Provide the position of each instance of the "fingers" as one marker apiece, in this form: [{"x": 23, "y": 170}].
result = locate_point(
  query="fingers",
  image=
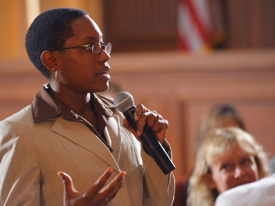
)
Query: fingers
[
  {"x": 97, "y": 194},
  {"x": 112, "y": 194},
  {"x": 99, "y": 184},
  {"x": 67, "y": 182},
  {"x": 110, "y": 190},
  {"x": 160, "y": 129},
  {"x": 113, "y": 187},
  {"x": 153, "y": 120},
  {"x": 160, "y": 124},
  {"x": 141, "y": 116},
  {"x": 139, "y": 110}
]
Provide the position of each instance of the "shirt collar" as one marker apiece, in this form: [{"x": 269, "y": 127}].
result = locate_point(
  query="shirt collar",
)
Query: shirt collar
[{"x": 45, "y": 106}]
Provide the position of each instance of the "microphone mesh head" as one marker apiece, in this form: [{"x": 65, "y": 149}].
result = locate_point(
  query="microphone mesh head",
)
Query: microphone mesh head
[{"x": 124, "y": 101}]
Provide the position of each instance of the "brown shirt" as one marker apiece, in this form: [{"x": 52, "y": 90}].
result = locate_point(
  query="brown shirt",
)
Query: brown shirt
[{"x": 47, "y": 107}]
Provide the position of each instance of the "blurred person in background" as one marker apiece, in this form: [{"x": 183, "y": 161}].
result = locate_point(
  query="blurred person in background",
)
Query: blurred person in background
[
  {"x": 227, "y": 158},
  {"x": 258, "y": 193},
  {"x": 70, "y": 128},
  {"x": 218, "y": 116}
]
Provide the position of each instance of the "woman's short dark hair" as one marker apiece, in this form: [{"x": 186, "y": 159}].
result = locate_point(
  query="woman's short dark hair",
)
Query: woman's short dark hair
[{"x": 49, "y": 31}]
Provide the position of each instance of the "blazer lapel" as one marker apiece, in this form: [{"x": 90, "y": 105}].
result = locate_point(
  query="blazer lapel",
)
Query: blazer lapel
[
  {"x": 113, "y": 136},
  {"x": 82, "y": 136}
]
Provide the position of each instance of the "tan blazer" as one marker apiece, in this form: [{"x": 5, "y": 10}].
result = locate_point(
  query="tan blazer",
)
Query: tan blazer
[{"x": 31, "y": 154}]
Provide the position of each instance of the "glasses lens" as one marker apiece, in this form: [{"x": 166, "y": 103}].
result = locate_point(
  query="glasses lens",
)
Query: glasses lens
[
  {"x": 108, "y": 48},
  {"x": 96, "y": 49}
]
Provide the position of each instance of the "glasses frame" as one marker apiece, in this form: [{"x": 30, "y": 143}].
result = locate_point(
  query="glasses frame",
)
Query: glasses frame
[{"x": 90, "y": 47}]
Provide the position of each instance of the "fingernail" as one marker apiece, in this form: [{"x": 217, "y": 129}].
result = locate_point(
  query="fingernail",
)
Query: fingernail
[
  {"x": 59, "y": 174},
  {"x": 111, "y": 170},
  {"x": 138, "y": 133},
  {"x": 123, "y": 174}
]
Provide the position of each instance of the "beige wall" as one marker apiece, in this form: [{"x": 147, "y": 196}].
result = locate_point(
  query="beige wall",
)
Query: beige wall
[
  {"x": 14, "y": 22},
  {"x": 12, "y": 29}
]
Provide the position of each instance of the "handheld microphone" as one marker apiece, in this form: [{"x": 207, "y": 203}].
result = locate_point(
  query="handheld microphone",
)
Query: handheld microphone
[{"x": 124, "y": 102}]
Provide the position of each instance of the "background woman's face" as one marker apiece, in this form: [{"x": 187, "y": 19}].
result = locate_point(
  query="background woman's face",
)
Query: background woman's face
[{"x": 232, "y": 170}]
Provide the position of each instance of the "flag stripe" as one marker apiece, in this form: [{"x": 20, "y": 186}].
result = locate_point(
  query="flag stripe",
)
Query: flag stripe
[
  {"x": 194, "y": 25},
  {"x": 197, "y": 21}
]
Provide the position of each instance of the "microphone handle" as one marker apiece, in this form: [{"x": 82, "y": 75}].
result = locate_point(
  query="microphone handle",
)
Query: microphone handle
[{"x": 152, "y": 146}]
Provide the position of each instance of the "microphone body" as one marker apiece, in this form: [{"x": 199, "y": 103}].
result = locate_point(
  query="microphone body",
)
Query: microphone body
[{"x": 152, "y": 146}]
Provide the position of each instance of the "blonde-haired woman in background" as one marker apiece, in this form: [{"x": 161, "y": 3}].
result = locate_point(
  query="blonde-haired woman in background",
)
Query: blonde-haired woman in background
[
  {"x": 227, "y": 157},
  {"x": 220, "y": 115}
]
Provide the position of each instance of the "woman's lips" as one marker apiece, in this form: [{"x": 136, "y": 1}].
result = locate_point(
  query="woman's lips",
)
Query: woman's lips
[{"x": 104, "y": 75}]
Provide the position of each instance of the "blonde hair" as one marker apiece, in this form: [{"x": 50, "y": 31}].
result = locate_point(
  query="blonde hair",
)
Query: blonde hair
[{"x": 218, "y": 143}]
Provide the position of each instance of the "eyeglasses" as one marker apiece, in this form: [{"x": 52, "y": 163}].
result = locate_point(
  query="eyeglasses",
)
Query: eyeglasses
[{"x": 95, "y": 48}]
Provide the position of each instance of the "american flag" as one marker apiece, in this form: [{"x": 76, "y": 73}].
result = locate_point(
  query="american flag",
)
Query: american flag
[{"x": 199, "y": 21}]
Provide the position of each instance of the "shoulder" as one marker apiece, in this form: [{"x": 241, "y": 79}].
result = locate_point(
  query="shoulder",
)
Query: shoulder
[
  {"x": 12, "y": 126},
  {"x": 18, "y": 116},
  {"x": 12, "y": 132}
]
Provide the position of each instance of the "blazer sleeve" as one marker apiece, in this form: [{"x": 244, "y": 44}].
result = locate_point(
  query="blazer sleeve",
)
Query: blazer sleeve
[
  {"x": 19, "y": 169},
  {"x": 158, "y": 189}
]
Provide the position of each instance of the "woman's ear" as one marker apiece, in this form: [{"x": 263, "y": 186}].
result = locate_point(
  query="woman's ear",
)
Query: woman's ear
[
  {"x": 48, "y": 59},
  {"x": 209, "y": 181}
]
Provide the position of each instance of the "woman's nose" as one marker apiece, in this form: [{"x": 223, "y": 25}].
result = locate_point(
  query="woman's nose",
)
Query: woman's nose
[
  {"x": 239, "y": 172},
  {"x": 103, "y": 56}
]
